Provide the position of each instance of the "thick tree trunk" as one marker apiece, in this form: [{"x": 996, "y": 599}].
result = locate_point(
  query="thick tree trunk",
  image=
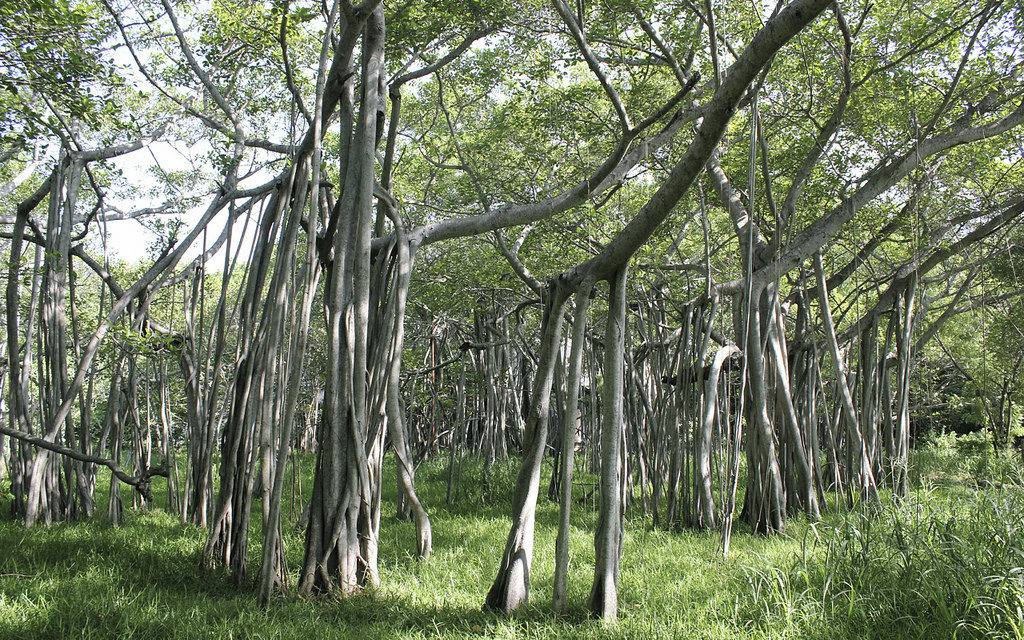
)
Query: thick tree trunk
[
  {"x": 341, "y": 537},
  {"x": 511, "y": 587}
]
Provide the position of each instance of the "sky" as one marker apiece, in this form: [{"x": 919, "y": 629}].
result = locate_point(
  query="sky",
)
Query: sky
[{"x": 129, "y": 240}]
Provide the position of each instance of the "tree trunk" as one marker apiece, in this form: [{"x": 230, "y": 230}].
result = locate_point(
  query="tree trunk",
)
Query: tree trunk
[
  {"x": 511, "y": 587},
  {"x": 604, "y": 595}
]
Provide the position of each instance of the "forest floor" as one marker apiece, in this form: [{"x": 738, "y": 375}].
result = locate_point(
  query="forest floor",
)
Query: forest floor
[{"x": 946, "y": 562}]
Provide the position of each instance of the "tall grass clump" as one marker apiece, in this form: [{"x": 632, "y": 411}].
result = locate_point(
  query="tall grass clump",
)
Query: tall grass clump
[{"x": 926, "y": 567}]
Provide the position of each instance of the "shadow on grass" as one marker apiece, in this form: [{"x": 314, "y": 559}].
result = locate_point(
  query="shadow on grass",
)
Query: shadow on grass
[
  {"x": 152, "y": 548},
  {"x": 143, "y": 580}
]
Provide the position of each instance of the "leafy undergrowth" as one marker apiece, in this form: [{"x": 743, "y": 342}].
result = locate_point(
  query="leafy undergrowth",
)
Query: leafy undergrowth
[{"x": 939, "y": 565}]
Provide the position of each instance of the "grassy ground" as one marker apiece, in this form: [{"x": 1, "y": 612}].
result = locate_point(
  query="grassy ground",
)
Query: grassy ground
[{"x": 141, "y": 580}]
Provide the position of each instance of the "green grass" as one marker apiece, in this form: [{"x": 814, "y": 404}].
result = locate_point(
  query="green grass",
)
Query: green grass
[{"x": 141, "y": 580}]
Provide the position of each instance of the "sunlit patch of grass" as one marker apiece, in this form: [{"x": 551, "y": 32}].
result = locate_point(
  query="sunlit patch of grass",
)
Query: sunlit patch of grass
[{"x": 142, "y": 580}]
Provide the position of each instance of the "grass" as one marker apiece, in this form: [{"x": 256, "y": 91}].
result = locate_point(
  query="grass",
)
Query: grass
[{"x": 945, "y": 563}]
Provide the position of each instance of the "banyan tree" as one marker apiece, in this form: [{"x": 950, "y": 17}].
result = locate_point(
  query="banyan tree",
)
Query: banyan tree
[{"x": 690, "y": 251}]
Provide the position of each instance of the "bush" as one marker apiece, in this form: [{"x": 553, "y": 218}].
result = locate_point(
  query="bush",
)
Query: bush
[{"x": 954, "y": 460}]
